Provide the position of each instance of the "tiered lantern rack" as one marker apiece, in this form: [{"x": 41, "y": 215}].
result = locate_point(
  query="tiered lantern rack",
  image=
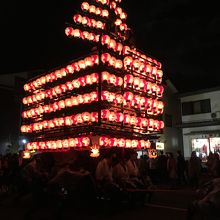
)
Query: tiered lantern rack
[{"x": 111, "y": 97}]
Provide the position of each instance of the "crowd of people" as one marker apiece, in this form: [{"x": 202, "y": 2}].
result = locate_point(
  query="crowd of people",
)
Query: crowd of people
[{"x": 109, "y": 175}]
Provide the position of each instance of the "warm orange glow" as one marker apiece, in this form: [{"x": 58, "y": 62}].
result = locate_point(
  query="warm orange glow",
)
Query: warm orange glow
[{"x": 95, "y": 151}]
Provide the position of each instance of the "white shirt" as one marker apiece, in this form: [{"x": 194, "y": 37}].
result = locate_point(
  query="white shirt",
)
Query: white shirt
[{"x": 104, "y": 171}]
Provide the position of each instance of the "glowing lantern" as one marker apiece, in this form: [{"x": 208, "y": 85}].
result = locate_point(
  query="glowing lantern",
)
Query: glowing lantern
[
  {"x": 112, "y": 44},
  {"x": 128, "y": 61},
  {"x": 85, "y": 141},
  {"x": 136, "y": 64},
  {"x": 118, "y": 22},
  {"x": 99, "y": 25},
  {"x": 26, "y": 87},
  {"x": 159, "y": 74},
  {"x": 118, "y": 10},
  {"x": 121, "y": 142},
  {"x": 134, "y": 143},
  {"x": 119, "y": 117},
  {"x": 85, "y": 6},
  {"x": 105, "y": 76},
  {"x": 118, "y": 64},
  {"x": 129, "y": 79},
  {"x": 76, "y": 83},
  {"x": 119, "y": 81},
  {"x": 71, "y": 142},
  {"x": 119, "y": 47},
  {"x": 98, "y": 11},
  {"x": 95, "y": 59},
  {"x": 95, "y": 151},
  {"x": 25, "y": 101},
  {"x": 105, "y": 39},
  {"x": 77, "y": 18},
  {"x": 133, "y": 120},
  {"x": 123, "y": 15},
  {"x": 127, "y": 119},
  {"x": 87, "y": 98},
  {"x": 105, "y": 114},
  {"x": 26, "y": 154},
  {"x": 92, "y": 9},
  {"x": 76, "y": 33},
  {"x": 59, "y": 144},
  {"x": 105, "y": 57},
  {"x": 128, "y": 96},
  {"x": 86, "y": 117},
  {"x": 113, "y": 5},
  {"x": 65, "y": 143},
  {"x": 79, "y": 119},
  {"x": 112, "y": 79},
  {"x": 112, "y": 61},
  {"x": 85, "y": 35},
  {"x": 105, "y": 13},
  {"x": 68, "y": 121},
  {"x": 112, "y": 116},
  {"x": 119, "y": 99},
  {"x": 123, "y": 27},
  {"x": 160, "y": 91},
  {"x": 161, "y": 126},
  {"x": 94, "y": 117},
  {"x": 152, "y": 153},
  {"x": 93, "y": 23},
  {"x": 94, "y": 96},
  {"x": 128, "y": 143}
]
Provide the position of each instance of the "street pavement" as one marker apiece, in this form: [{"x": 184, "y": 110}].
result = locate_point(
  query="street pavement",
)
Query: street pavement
[{"x": 165, "y": 204}]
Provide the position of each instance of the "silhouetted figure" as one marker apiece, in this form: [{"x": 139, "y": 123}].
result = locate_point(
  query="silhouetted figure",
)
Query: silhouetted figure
[
  {"x": 194, "y": 170},
  {"x": 172, "y": 169},
  {"x": 181, "y": 167},
  {"x": 162, "y": 167}
]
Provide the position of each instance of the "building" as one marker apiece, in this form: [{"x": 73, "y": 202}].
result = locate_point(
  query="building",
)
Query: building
[
  {"x": 11, "y": 92},
  {"x": 201, "y": 122},
  {"x": 171, "y": 139}
]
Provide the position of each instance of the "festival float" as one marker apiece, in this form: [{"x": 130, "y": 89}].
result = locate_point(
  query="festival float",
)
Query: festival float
[{"x": 111, "y": 97}]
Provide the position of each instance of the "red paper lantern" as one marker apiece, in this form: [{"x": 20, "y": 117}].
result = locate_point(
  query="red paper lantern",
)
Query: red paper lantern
[
  {"x": 105, "y": 57},
  {"x": 105, "y": 13},
  {"x": 77, "y": 18},
  {"x": 86, "y": 117},
  {"x": 85, "y": 6}
]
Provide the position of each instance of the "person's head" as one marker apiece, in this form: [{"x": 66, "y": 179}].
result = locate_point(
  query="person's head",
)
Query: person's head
[
  {"x": 216, "y": 156},
  {"x": 161, "y": 152},
  {"x": 170, "y": 155},
  {"x": 133, "y": 155},
  {"x": 110, "y": 154},
  {"x": 179, "y": 152},
  {"x": 193, "y": 154}
]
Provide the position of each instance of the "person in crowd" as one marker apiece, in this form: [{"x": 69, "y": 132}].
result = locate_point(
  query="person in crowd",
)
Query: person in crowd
[
  {"x": 120, "y": 172},
  {"x": 181, "y": 167},
  {"x": 74, "y": 180},
  {"x": 194, "y": 170},
  {"x": 162, "y": 167},
  {"x": 104, "y": 177},
  {"x": 133, "y": 169},
  {"x": 172, "y": 169},
  {"x": 208, "y": 203},
  {"x": 215, "y": 167}
]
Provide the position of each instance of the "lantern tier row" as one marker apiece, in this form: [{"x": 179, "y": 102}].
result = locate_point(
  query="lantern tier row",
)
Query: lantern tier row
[
  {"x": 127, "y": 100},
  {"x": 82, "y": 142},
  {"x": 90, "y": 61},
  {"x": 129, "y": 82},
  {"x": 88, "y": 118}
]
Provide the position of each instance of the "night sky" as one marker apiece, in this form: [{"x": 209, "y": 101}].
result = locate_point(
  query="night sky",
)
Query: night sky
[{"x": 184, "y": 35}]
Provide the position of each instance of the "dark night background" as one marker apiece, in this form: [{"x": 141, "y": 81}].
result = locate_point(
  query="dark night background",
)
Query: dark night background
[{"x": 184, "y": 35}]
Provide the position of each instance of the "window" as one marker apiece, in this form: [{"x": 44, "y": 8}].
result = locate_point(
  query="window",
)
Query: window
[
  {"x": 168, "y": 120},
  {"x": 197, "y": 107}
]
